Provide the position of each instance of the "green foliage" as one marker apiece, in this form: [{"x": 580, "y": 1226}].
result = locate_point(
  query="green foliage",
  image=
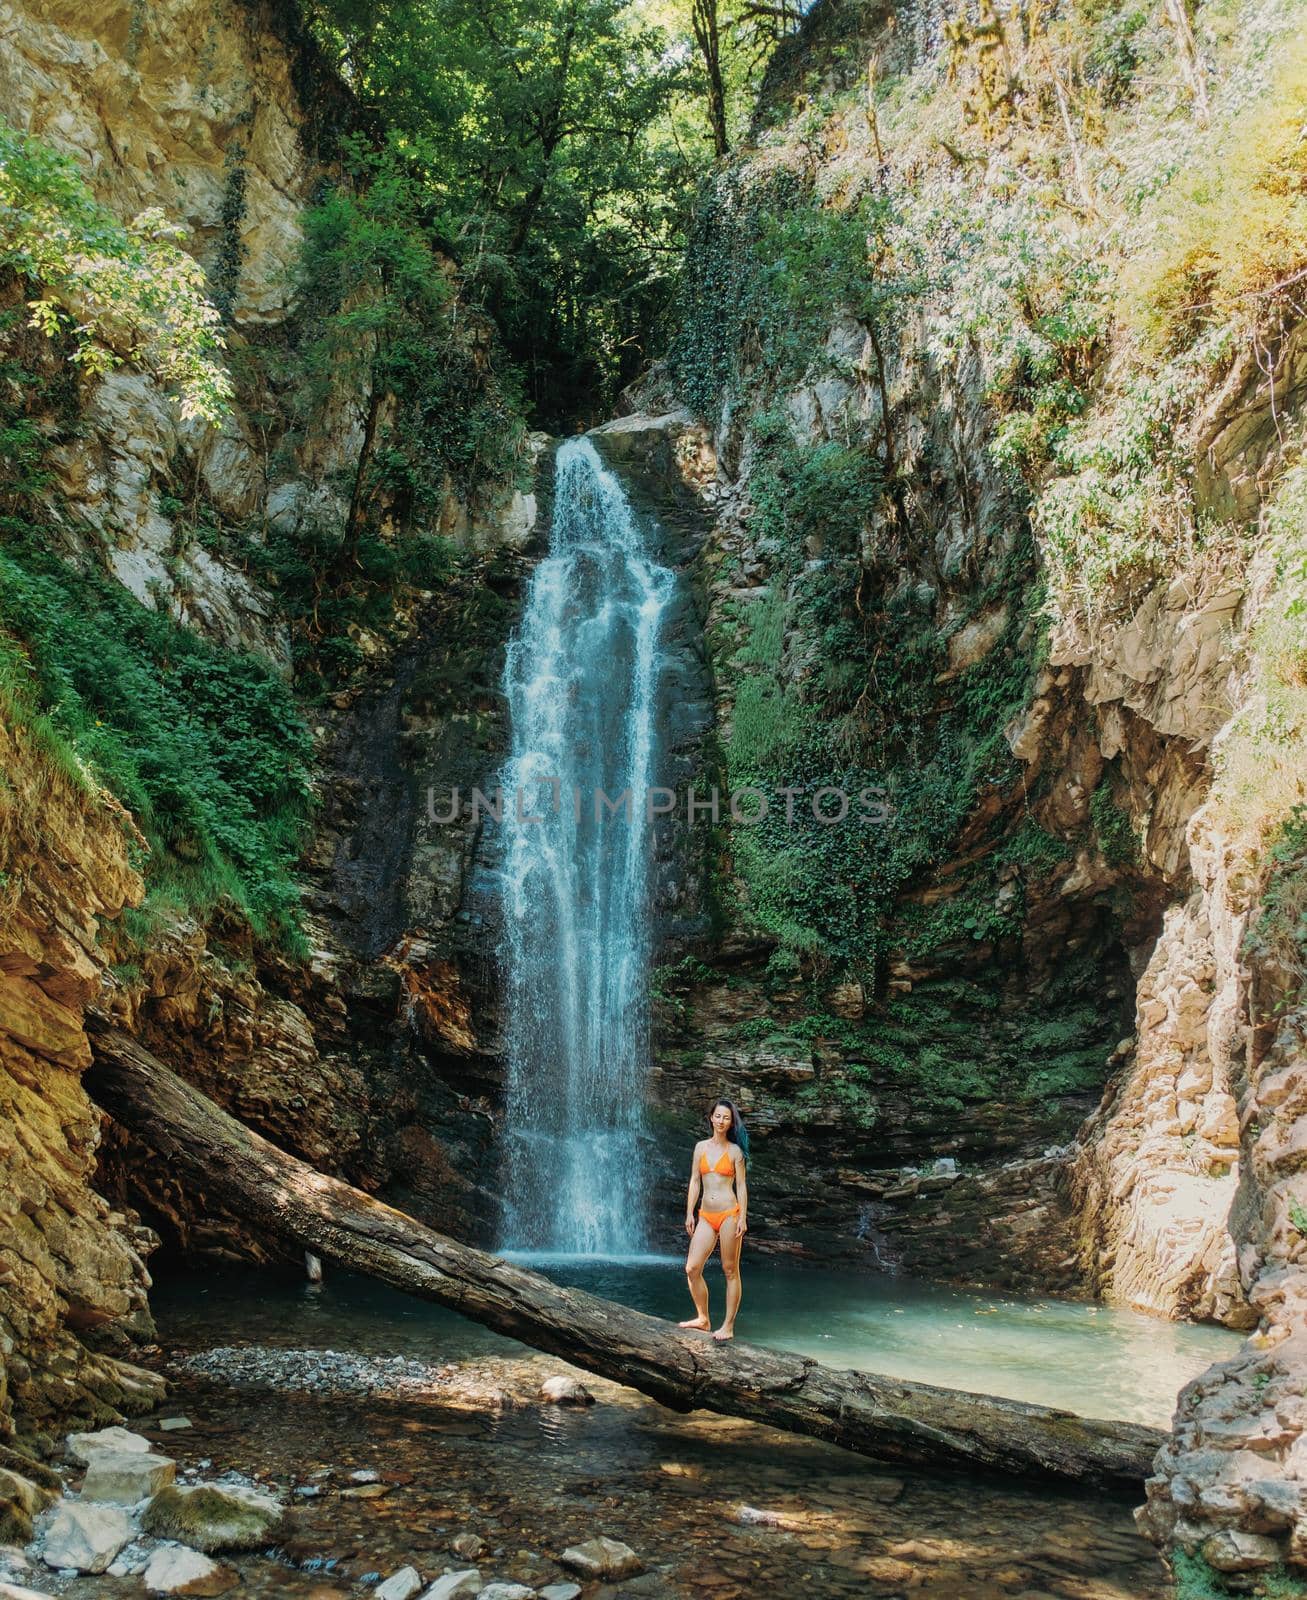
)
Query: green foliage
[
  {"x": 1298, "y": 1217},
  {"x": 204, "y": 746},
  {"x": 383, "y": 320},
  {"x": 766, "y": 270},
  {"x": 120, "y": 290},
  {"x": 1115, "y": 832},
  {"x": 547, "y": 169}
]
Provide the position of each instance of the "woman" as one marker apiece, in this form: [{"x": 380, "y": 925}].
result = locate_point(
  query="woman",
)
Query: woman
[{"x": 717, "y": 1174}]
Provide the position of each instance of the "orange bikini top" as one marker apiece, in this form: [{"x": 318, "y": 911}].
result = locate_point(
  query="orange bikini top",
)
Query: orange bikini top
[{"x": 725, "y": 1172}]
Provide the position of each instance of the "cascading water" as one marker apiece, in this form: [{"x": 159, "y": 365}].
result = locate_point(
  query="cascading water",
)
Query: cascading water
[{"x": 581, "y": 680}]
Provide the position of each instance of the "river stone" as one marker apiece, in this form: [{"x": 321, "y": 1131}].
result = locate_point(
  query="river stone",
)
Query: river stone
[
  {"x": 562, "y": 1390},
  {"x": 602, "y": 1558},
  {"x": 125, "y": 1476},
  {"x": 177, "y": 1570},
  {"x": 80, "y": 1447},
  {"x": 468, "y": 1546},
  {"x": 14, "y": 1591},
  {"x": 214, "y": 1517},
  {"x": 401, "y": 1585},
  {"x": 85, "y": 1537},
  {"x": 560, "y": 1591},
  {"x": 455, "y": 1586},
  {"x": 506, "y": 1591}
]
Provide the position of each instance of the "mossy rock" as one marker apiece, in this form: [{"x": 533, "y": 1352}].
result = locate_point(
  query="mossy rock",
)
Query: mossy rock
[
  {"x": 20, "y": 1500},
  {"x": 210, "y": 1518}
]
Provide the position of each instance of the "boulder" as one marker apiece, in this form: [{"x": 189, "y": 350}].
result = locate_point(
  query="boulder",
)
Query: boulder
[
  {"x": 80, "y": 1447},
  {"x": 602, "y": 1558},
  {"x": 563, "y": 1390},
  {"x": 401, "y": 1585},
  {"x": 177, "y": 1570},
  {"x": 85, "y": 1537},
  {"x": 455, "y": 1586},
  {"x": 124, "y": 1477},
  {"x": 1232, "y": 1550},
  {"x": 214, "y": 1517}
]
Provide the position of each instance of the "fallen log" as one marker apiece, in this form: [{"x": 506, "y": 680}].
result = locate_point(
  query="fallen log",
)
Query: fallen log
[{"x": 890, "y": 1419}]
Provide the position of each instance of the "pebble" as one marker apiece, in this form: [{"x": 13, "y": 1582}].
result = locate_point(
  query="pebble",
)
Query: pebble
[
  {"x": 506, "y": 1591},
  {"x": 560, "y": 1591},
  {"x": 173, "y": 1424},
  {"x": 364, "y": 1475},
  {"x": 315, "y": 1371},
  {"x": 469, "y": 1546}
]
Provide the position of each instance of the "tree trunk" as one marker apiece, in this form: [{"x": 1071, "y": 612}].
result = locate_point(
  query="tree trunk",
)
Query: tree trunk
[{"x": 890, "y": 1419}]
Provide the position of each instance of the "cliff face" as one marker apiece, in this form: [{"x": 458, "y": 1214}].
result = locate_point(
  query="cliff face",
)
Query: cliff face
[
  {"x": 923, "y": 322},
  {"x": 216, "y": 118},
  {"x": 72, "y": 1275}
]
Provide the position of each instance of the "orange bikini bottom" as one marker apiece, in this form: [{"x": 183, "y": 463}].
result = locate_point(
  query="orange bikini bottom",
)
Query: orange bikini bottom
[{"x": 714, "y": 1219}]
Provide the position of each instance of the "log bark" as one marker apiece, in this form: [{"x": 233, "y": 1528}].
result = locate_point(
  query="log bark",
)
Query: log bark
[{"x": 889, "y": 1419}]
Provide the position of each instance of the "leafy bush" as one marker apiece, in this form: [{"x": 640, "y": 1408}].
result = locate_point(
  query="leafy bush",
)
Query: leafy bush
[
  {"x": 204, "y": 746},
  {"x": 119, "y": 289}
]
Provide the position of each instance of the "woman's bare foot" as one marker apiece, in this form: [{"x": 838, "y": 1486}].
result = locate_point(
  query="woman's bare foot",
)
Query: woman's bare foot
[
  {"x": 696, "y": 1322},
  {"x": 724, "y": 1332}
]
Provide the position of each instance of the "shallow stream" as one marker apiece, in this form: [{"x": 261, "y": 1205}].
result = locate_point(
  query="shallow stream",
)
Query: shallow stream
[{"x": 303, "y": 1385}]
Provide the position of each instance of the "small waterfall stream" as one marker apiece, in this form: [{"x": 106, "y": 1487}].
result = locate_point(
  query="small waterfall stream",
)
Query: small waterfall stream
[{"x": 581, "y": 680}]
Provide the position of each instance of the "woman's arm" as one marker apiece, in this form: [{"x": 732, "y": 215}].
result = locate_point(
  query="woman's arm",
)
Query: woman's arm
[
  {"x": 692, "y": 1197},
  {"x": 742, "y": 1192}
]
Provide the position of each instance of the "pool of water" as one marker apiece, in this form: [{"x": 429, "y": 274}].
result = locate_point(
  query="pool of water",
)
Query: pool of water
[{"x": 1093, "y": 1359}]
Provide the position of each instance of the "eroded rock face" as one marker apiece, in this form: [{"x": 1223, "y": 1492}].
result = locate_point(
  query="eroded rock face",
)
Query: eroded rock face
[{"x": 71, "y": 1268}]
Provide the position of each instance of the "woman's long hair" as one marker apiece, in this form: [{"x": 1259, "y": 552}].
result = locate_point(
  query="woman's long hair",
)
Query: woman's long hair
[{"x": 739, "y": 1134}]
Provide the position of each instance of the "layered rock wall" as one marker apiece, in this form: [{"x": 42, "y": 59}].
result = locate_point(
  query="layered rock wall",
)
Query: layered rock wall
[{"x": 72, "y": 1275}]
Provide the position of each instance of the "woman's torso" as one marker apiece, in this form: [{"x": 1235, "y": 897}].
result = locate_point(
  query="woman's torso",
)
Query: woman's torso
[{"x": 718, "y": 1181}]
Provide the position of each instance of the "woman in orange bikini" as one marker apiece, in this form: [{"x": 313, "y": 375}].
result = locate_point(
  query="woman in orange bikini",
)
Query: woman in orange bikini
[{"x": 717, "y": 1175}]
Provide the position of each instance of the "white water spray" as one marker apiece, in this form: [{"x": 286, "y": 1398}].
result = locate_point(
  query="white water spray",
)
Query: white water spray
[{"x": 581, "y": 681}]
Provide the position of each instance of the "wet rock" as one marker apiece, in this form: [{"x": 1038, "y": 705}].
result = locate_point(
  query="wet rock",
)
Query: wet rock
[
  {"x": 564, "y": 1390},
  {"x": 14, "y": 1591},
  {"x": 84, "y": 1537},
  {"x": 123, "y": 1477},
  {"x": 401, "y": 1585},
  {"x": 506, "y": 1591},
  {"x": 177, "y": 1570},
  {"x": 602, "y": 1558},
  {"x": 560, "y": 1591},
  {"x": 753, "y": 1516},
  {"x": 214, "y": 1517},
  {"x": 174, "y": 1424},
  {"x": 469, "y": 1546},
  {"x": 80, "y": 1448},
  {"x": 455, "y": 1586}
]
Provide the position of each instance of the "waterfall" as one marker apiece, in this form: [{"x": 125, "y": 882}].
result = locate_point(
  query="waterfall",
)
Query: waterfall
[{"x": 581, "y": 680}]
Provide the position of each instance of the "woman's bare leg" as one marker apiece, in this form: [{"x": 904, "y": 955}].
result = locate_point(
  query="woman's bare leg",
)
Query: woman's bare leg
[
  {"x": 731, "y": 1243},
  {"x": 701, "y": 1247}
]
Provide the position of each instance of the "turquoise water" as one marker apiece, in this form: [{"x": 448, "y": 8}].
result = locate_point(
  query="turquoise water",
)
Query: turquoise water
[{"x": 1096, "y": 1360}]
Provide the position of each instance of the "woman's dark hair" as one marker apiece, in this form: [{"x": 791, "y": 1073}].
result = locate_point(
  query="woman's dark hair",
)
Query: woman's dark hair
[{"x": 739, "y": 1134}]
